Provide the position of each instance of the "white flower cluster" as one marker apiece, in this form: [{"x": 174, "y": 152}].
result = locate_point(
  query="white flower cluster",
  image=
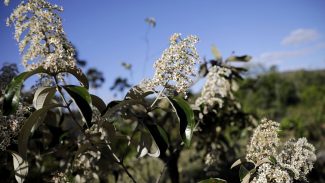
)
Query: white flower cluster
[
  {"x": 264, "y": 142},
  {"x": 217, "y": 86},
  {"x": 273, "y": 174},
  {"x": 39, "y": 32},
  {"x": 294, "y": 159},
  {"x": 298, "y": 157},
  {"x": 10, "y": 126},
  {"x": 176, "y": 66}
]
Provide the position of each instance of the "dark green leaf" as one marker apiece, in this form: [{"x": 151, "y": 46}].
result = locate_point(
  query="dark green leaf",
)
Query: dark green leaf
[
  {"x": 272, "y": 159},
  {"x": 213, "y": 180},
  {"x": 98, "y": 103},
  {"x": 186, "y": 118},
  {"x": 242, "y": 172},
  {"x": 20, "y": 167},
  {"x": 82, "y": 98},
  {"x": 145, "y": 145},
  {"x": 12, "y": 93},
  {"x": 30, "y": 125},
  {"x": 158, "y": 134},
  {"x": 243, "y": 58}
]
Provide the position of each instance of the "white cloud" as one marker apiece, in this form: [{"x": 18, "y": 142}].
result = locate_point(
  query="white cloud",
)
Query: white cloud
[
  {"x": 300, "y": 36},
  {"x": 277, "y": 57}
]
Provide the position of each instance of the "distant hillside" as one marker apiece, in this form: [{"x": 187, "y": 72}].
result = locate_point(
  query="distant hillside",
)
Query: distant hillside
[{"x": 295, "y": 98}]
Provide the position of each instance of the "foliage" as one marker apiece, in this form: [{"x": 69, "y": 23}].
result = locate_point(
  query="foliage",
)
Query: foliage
[{"x": 158, "y": 132}]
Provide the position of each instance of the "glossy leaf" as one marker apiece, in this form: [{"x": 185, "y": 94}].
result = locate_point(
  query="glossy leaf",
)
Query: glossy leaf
[
  {"x": 12, "y": 92},
  {"x": 20, "y": 167},
  {"x": 82, "y": 98},
  {"x": 145, "y": 146},
  {"x": 186, "y": 118},
  {"x": 213, "y": 180},
  {"x": 243, "y": 172},
  {"x": 43, "y": 96},
  {"x": 98, "y": 103},
  {"x": 159, "y": 135}
]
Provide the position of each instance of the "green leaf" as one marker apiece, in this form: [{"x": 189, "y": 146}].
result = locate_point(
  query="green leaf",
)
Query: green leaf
[
  {"x": 20, "y": 167},
  {"x": 12, "y": 92},
  {"x": 145, "y": 146},
  {"x": 213, "y": 180},
  {"x": 43, "y": 96},
  {"x": 273, "y": 160},
  {"x": 158, "y": 134},
  {"x": 82, "y": 98},
  {"x": 242, "y": 172},
  {"x": 186, "y": 118},
  {"x": 30, "y": 125},
  {"x": 98, "y": 103},
  {"x": 243, "y": 58}
]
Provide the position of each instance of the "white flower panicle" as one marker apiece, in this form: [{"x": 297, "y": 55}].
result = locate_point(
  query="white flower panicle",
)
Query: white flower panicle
[
  {"x": 298, "y": 157},
  {"x": 39, "y": 32},
  {"x": 216, "y": 87},
  {"x": 264, "y": 142},
  {"x": 176, "y": 66},
  {"x": 294, "y": 159},
  {"x": 273, "y": 174}
]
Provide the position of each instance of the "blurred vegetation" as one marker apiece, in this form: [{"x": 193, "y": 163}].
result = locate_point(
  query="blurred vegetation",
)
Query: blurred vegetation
[{"x": 297, "y": 100}]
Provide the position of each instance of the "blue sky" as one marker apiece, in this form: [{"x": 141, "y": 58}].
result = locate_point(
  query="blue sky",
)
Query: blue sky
[{"x": 287, "y": 33}]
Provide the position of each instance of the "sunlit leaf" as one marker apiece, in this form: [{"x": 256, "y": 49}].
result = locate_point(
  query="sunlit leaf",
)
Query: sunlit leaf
[
  {"x": 238, "y": 162},
  {"x": 43, "y": 96},
  {"x": 20, "y": 167}
]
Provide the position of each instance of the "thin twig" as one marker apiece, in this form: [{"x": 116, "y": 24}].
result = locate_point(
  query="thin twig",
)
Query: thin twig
[{"x": 66, "y": 103}]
